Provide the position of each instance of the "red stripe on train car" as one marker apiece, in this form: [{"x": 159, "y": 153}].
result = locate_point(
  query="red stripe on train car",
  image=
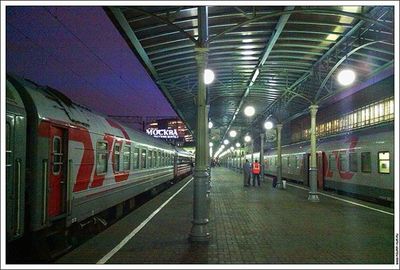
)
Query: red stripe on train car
[
  {"x": 123, "y": 175},
  {"x": 345, "y": 175},
  {"x": 87, "y": 162}
]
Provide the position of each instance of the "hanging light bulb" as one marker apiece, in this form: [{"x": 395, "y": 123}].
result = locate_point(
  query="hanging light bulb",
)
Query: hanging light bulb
[
  {"x": 346, "y": 77},
  {"x": 249, "y": 111},
  {"x": 208, "y": 76},
  {"x": 268, "y": 125}
]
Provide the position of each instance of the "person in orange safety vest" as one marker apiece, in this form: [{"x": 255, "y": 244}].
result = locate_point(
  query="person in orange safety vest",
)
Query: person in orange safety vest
[{"x": 256, "y": 170}]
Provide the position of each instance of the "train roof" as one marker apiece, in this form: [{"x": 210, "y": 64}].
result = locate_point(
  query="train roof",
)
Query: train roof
[
  {"x": 13, "y": 98},
  {"x": 50, "y": 104},
  {"x": 183, "y": 152}
]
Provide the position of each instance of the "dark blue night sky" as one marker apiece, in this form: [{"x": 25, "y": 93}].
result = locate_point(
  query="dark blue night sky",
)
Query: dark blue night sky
[{"x": 78, "y": 51}]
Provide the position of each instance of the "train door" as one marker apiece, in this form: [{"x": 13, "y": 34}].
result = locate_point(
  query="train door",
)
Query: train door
[
  {"x": 15, "y": 175},
  {"x": 320, "y": 169},
  {"x": 306, "y": 159},
  {"x": 57, "y": 172},
  {"x": 176, "y": 161}
]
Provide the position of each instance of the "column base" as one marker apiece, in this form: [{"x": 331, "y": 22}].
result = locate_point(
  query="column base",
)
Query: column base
[
  {"x": 199, "y": 232},
  {"x": 313, "y": 197}
]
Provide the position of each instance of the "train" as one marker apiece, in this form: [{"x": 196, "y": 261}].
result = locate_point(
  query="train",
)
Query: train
[
  {"x": 67, "y": 165},
  {"x": 356, "y": 163}
]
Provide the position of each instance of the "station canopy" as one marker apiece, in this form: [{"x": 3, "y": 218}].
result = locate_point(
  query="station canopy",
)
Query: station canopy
[{"x": 278, "y": 59}]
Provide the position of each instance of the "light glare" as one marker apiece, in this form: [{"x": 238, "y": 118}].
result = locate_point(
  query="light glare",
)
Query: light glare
[
  {"x": 233, "y": 133},
  {"x": 247, "y": 138},
  {"x": 346, "y": 77},
  {"x": 248, "y": 52},
  {"x": 268, "y": 125},
  {"x": 249, "y": 111},
  {"x": 226, "y": 142},
  {"x": 210, "y": 124},
  {"x": 208, "y": 76}
]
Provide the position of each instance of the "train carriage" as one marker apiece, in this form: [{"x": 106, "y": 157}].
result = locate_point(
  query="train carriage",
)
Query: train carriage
[
  {"x": 78, "y": 163},
  {"x": 358, "y": 163}
]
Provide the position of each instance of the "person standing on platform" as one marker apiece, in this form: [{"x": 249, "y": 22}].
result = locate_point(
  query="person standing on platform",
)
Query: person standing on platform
[
  {"x": 246, "y": 173},
  {"x": 256, "y": 169}
]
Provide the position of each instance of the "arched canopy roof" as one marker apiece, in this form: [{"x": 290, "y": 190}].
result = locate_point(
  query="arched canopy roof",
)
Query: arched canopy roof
[{"x": 278, "y": 59}]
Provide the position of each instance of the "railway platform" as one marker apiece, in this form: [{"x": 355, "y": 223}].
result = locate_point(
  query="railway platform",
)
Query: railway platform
[{"x": 248, "y": 225}]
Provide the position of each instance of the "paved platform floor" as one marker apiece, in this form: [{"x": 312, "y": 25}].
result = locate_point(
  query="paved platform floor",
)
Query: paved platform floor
[{"x": 248, "y": 225}]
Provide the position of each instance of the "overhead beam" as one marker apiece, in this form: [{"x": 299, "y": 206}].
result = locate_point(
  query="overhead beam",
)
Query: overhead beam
[
  {"x": 328, "y": 53},
  {"x": 169, "y": 23},
  {"x": 305, "y": 11},
  {"x": 134, "y": 42},
  {"x": 379, "y": 74},
  {"x": 268, "y": 48}
]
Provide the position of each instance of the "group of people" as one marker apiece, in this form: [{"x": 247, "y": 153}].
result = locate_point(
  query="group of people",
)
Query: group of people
[{"x": 251, "y": 169}]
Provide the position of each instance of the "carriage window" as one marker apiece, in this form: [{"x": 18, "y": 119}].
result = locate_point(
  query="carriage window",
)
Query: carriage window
[
  {"x": 159, "y": 159},
  {"x": 57, "y": 155},
  {"x": 8, "y": 145},
  {"x": 353, "y": 162},
  {"x": 127, "y": 158},
  {"x": 117, "y": 154},
  {"x": 150, "y": 159},
  {"x": 144, "y": 159},
  {"x": 155, "y": 159},
  {"x": 101, "y": 157},
  {"x": 343, "y": 162},
  {"x": 136, "y": 158},
  {"x": 366, "y": 162},
  {"x": 293, "y": 162},
  {"x": 383, "y": 162},
  {"x": 332, "y": 162}
]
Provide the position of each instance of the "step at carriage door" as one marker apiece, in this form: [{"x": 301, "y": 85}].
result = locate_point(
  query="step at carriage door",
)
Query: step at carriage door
[{"x": 57, "y": 172}]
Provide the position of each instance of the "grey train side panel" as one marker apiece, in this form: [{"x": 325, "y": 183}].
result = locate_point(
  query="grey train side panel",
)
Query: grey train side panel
[{"x": 15, "y": 164}]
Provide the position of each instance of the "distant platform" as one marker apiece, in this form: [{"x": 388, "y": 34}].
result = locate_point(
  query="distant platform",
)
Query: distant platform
[{"x": 248, "y": 225}]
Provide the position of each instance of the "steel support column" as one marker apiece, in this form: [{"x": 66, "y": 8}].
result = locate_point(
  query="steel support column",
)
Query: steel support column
[
  {"x": 199, "y": 231},
  {"x": 312, "y": 195},
  {"x": 262, "y": 155},
  {"x": 279, "y": 156},
  {"x": 252, "y": 150},
  {"x": 208, "y": 151}
]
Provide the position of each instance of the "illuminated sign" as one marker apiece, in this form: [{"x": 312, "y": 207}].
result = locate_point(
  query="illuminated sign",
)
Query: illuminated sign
[{"x": 163, "y": 133}]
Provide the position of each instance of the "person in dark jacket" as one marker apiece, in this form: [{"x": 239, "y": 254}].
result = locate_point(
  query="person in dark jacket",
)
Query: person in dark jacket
[{"x": 246, "y": 173}]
